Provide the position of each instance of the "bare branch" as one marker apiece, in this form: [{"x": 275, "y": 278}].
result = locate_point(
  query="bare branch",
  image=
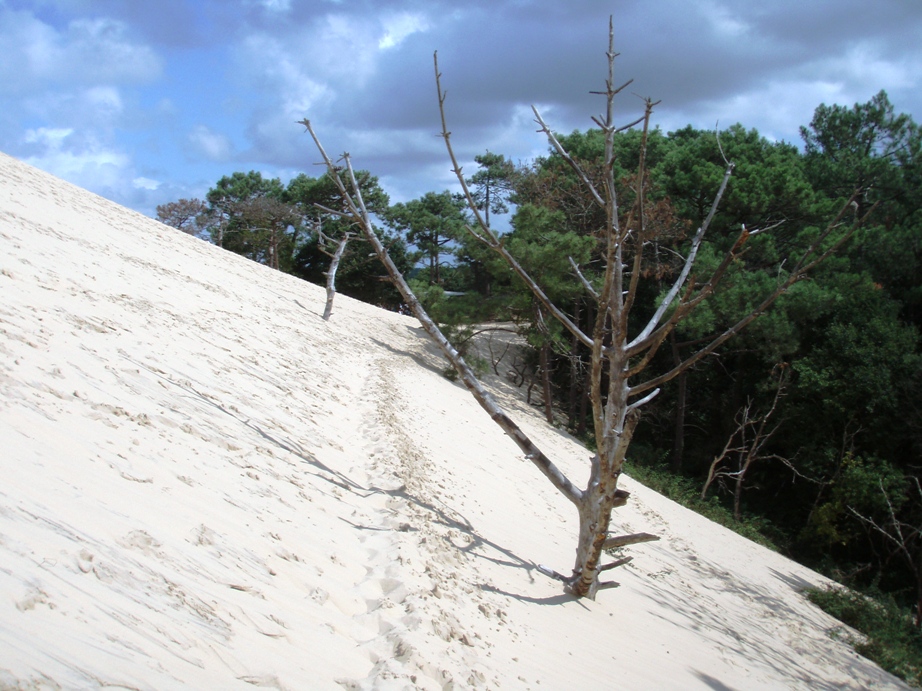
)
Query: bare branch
[
  {"x": 586, "y": 284},
  {"x": 488, "y": 237},
  {"x": 624, "y": 540},
  {"x": 686, "y": 269},
  {"x": 646, "y": 399},
  {"x": 719, "y": 145},
  {"x": 558, "y": 147},
  {"x": 799, "y": 273},
  {"x": 356, "y": 205},
  {"x": 331, "y": 211}
]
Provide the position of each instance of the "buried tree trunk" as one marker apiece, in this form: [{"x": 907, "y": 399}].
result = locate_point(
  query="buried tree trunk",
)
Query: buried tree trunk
[
  {"x": 617, "y": 389},
  {"x": 336, "y": 257}
]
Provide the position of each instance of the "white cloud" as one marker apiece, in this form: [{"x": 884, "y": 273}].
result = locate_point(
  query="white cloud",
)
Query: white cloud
[
  {"x": 776, "y": 110},
  {"x": 51, "y": 137},
  {"x": 343, "y": 47},
  {"x": 104, "y": 102},
  {"x": 86, "y": 52},
  {"x": 723, "y": 21},
  {"x": 210, "y": 144},
  {"x": 399, "y": 27},
  {"x": 304, "y": 64},
  {"x": 863, "y": 65},
  {"x": 277, "y": 6},
  {"x": 82, "y": 160},
  {"x": 282, "y": 69},
  {"x": 142, "y": 183}
]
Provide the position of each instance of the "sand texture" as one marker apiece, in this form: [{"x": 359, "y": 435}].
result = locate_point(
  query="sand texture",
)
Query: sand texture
[{"x": 204, "y": 485}]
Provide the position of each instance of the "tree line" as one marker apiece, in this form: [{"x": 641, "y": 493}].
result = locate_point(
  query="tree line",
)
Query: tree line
[{"x": 810, "y": 420}]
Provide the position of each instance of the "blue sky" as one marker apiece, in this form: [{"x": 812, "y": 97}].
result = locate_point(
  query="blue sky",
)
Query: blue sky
[{"x": 147, "y": 102}]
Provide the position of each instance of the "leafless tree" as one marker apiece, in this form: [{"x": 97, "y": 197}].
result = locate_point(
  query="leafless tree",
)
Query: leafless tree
[
  {"x": 618, "y": 389},
  {"x": 324, "y": 242},
  {"x": 747, "y": 445},
  {"x": 904, "y": 537}
]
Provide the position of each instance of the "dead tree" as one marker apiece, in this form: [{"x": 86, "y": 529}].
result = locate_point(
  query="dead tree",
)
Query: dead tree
[
  {"x": 903, "y": 537},
  {"x": 753, "y": 432},
  {"x": 619, "y": 359},
  {"x": 335, "y": 257}
]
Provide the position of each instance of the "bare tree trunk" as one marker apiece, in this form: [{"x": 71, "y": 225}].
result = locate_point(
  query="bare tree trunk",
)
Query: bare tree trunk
[
  {"x": 331, "y": 275},
  {"x": 917, "y": 572},
  {"x": 573, "y": 391},
  {"x": 546, "y": 383},
  {"x": 273, "y": 248},
  {"x": 738, "y": 493},
  {"x": 678, "y": 440},
  {"x": 583, "y": 406}
]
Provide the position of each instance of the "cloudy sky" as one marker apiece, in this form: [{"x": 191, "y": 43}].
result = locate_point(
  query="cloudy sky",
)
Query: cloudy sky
[{"x": 147, "y": 102}]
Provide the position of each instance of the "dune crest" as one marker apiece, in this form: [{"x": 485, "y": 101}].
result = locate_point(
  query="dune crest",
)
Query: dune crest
[{"x": 205, "y": 485}]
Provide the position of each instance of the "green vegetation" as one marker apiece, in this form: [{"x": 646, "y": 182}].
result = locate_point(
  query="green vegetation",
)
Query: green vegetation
[
  {"x": 687, "y": 492},
  {"x": 889, "y": 635}
]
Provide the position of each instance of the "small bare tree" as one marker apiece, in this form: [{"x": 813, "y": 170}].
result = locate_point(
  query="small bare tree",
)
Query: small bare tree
[
  {"x": 619, "y": 358},
  {"x": 903, "y": 537},
  {"x": 325, "y": 243},
  {"x": 747, "y": 445}
]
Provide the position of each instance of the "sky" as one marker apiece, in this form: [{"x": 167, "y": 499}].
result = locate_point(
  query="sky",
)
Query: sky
[{"x": 149, "y": 102}]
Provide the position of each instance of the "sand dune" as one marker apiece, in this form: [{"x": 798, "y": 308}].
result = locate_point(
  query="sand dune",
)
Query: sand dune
[{"x": 205, "y": 485}]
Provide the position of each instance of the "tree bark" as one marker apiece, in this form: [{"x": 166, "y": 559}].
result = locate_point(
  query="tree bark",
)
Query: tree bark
[
  {"x": 331, "y": 275},
  {"x": 678, "y": 439},
  {"x": 546, "y": 383}
]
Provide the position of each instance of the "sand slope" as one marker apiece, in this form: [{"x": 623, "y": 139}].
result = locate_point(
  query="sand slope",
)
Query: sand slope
[{"x": 205, "y": 485}]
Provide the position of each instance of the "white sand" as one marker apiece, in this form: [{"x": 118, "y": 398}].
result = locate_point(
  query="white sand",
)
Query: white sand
[{"x": 204, "y": 485}]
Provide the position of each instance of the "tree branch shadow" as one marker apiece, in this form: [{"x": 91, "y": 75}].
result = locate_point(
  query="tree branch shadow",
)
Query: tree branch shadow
[
  {"x": 751, "y": 637},
  {"x": 429, "y": 363},
  {"x": 560, "y": 599},
  {"x": 478, "y": 546},
  {"x": 711, "y": 682},
  {"x": 326, "y": 473}
]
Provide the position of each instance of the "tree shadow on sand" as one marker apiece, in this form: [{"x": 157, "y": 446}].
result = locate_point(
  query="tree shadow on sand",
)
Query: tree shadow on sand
[
  {"x": 476, "y": 545},
  {"x": 325, "y": 473},
  {"x": 752, "y": 634}
]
